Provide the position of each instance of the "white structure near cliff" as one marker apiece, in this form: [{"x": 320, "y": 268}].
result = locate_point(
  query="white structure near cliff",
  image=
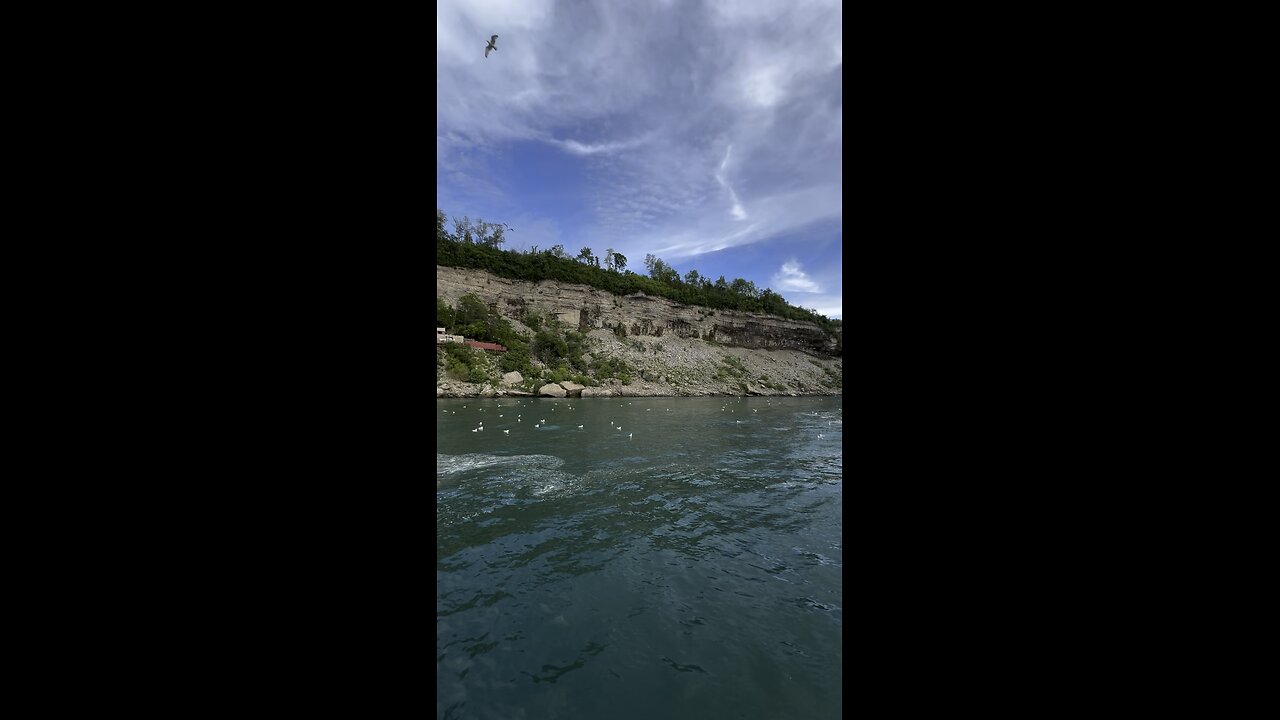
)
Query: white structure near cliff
[{"x": 441, "y": 338}]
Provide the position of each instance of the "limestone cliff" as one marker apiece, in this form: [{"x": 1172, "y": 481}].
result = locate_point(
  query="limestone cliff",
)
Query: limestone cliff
[
  {"x": 587, "y": 308},
  {"x": 675, "y": 349}
]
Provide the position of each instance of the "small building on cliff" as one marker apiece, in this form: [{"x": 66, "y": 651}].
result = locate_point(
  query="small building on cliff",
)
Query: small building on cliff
[{"x": 441, "y": 338}]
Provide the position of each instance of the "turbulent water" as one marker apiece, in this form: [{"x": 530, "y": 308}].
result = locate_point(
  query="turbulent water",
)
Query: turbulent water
[{"x": 688, "y": 565}]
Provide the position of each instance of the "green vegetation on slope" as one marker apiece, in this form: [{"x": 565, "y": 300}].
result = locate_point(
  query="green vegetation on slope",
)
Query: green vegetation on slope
[
  {"x": 476, "y": 245},
  {"x": 558, "y": 348}
]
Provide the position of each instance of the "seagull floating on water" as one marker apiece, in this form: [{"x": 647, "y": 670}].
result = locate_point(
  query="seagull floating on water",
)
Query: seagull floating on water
[{"x": 491, "y": 46}]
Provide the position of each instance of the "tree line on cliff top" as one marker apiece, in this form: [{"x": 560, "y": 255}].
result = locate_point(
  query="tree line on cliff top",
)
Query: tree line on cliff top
[{"x": 478, "y": 245}]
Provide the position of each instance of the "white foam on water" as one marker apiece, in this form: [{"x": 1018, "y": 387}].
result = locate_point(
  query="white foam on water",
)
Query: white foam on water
[{"x": 454, "y": 464}]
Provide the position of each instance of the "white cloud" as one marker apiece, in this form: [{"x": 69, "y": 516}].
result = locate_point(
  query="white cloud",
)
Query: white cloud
[
  {"x": 773, "y": 215},
  {"x": 578, "y": 148},
  {"x": 790, "y": 278},
  {"x": 690, "y": 120},
  {"x": 738, "y": 212}
]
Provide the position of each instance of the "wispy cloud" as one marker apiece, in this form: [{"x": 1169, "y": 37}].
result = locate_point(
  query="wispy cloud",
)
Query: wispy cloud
[
  {"x": 695, "y": 126},
  {"x": 738, "y": 212},
  {"x": 579, "y": 148}
]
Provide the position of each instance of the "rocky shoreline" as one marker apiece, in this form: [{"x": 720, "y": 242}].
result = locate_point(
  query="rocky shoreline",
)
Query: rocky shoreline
[
  {"x": 453, "y": 389},
  {"x": 679, "y": 367}
]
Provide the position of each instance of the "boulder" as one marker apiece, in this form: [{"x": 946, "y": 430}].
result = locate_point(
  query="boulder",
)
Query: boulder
[
  {"x": 573, "y": 388},
  {"x": 552, "y": 390},
  {"x": 596, "y": 392},
  {"x": 512, "y": 378},
  {"x": 519, "y": 393}
]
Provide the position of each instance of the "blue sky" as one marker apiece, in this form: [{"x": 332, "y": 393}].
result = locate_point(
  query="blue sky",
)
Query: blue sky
[{"x": 706, "y": 133}]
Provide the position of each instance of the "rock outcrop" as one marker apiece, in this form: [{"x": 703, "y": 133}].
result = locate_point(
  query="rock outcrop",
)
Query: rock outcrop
[
  {"x": 586, "y": 308},
  {"x": 552, "y": 390},
  {"x": 668, "y": 349}
]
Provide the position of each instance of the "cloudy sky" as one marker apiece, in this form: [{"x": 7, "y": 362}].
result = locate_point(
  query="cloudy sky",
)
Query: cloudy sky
[{"x": 705, "y": 133}]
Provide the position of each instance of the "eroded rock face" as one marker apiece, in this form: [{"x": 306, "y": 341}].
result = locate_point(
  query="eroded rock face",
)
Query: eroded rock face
[
  {"x": 588, "y": 308},
  {"x": 596, "y": 392},
  {"x": 552, "y": 390}
]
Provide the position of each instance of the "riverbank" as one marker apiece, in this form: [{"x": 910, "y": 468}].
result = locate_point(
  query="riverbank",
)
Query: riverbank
[{"x": 681, "y": 367}]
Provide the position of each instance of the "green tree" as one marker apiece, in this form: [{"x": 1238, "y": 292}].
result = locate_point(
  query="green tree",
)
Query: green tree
[
  {"x": 444, "y": 314},
  {"x": 471, "y": 309},
  {"x": 660, "y": 271},
  {"x": 463, "y": 231},
  {"x": 489, "y": 234}
]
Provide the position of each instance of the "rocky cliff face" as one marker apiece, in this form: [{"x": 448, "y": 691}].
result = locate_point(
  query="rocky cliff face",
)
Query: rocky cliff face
[{"x": 589, "y": 309}]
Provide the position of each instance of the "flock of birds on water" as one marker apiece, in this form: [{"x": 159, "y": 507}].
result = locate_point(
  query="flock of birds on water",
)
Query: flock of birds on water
[{"x": 541, "y": 423}]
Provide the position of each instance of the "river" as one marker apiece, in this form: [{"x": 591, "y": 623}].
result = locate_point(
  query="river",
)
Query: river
[{"x": 688, "y": 565}]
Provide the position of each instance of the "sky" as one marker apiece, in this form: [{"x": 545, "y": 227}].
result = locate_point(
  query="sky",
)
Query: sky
[{"x": 708, "y": 134}]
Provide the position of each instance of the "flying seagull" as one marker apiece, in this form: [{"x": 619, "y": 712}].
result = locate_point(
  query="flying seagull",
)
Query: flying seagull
[{"x": 491, "y": 46}]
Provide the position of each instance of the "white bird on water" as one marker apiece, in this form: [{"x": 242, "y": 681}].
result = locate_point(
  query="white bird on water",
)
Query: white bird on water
[
  {"x": 579, "y": 427},
  {"x": 630, "y": 435},
  {"x": 506, "y": 432}
]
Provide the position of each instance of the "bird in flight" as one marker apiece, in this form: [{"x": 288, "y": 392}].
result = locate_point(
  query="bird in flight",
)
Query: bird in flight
[{"x": 491, "y": 46}]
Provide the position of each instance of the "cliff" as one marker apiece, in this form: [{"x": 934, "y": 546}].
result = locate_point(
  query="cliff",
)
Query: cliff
[{"x": 679, "y": 349}]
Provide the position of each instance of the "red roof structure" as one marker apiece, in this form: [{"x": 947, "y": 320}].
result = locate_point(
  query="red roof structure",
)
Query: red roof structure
[{"x": 485, "y": 345}]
